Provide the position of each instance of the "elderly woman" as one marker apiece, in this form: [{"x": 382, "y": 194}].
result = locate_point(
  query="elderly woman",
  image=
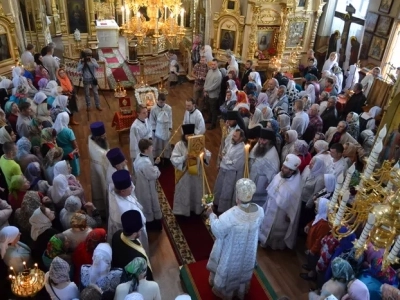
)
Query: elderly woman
[
  {"x": 5, "y": 85},
  {"x": 83, "y": 254},
  {"x": 48, "y": 140},
  {"x": 24, "y": 156},
  {"x": 20, "y": 80},
  {"x": 284, "y": 123},
  {"x": 318, "y": 136},
  {"x": 301, "y": 150},
  {"x": 57, "y": 282},
  {"x": 78, "y": 231},
  {"x": 321, "y": 149},
  {"x": 42, "y": 110},
  {"x": 61, "y": 190},
  {"x": 68, "y": 90},
  {"x": 58, "y": 245},
  {"x": 136, "y": 271},
  {"x": 73, "y": 205},
  {"x": 67, "y": 141},
  {"x": 255, "y": 78},
  {"x": 12, "y": 251},
  {"x": 32, "y": 200},
  {"x": 232, "y": 75},
  {"x": 100, "y": 272},
  {"x": 53, "y": 156},
  {"x": 33, "y": 174},
  {"x": 290, "y": 139},
  {"x": 12, "y": 113},
  {"x": 35, "y": 133},
  {"x": 323, "y": 102},
  {"x": 353, "y": 127},
  {"x": 273, "y": 124},
  {"x": 19, "y": 185},
  {"x": 59, "y": 105}
]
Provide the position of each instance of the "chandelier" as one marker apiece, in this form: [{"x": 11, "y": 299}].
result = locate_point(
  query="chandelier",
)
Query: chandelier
[
  {"x": 375, "y": 207},
  {"x": 161, "y": 20},
  {"x": 28, "y": 282}
]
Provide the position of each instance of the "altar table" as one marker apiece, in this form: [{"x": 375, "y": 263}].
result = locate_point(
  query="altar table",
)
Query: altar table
[{"x": 107, "y": 33}]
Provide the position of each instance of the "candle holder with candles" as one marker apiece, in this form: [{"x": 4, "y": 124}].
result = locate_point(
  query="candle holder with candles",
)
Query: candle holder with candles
[
  {"x": 28, "y": 282},
  {"x": 119, "y": 91},
  {"x": 208, "y": 198}
]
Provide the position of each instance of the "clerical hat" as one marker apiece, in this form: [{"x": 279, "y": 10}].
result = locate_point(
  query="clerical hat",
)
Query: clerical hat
[
  {"x": 267, "y": 134},
  {"x": 115, "y": 156},
  {"x": 292, "y": 162},
  {"x": 97, "y": 128},
  {"x": 232, "y": 115},
  {"x": 121, "y": 179},
  {"x": 131, "y": 222},
  {"x": 245, "y": 189},
  {"x": 188, "y": 129}
]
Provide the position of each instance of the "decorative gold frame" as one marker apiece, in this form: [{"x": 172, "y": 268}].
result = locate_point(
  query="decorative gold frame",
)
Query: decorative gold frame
[
  {"x": 7, "y": 27},
  {"x": 291, "y": 42},
  {"x": 275, "y": 35}
]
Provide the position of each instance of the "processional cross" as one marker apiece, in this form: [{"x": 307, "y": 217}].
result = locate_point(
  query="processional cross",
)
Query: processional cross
[{"x": 348, "y": 20}]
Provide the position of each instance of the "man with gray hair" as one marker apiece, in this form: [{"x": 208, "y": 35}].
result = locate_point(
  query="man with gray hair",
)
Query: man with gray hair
[
  {"x": 281, "y": 99},
  {"x": 315, "y": 125},
  {"x": 271, "y": 90},
  {"x": 330, "y": 116},
  {"x": 301, "y": 119}
]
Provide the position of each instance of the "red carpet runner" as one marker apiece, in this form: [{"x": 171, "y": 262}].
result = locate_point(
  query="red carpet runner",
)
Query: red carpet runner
[{"x": 200, "y": 242}]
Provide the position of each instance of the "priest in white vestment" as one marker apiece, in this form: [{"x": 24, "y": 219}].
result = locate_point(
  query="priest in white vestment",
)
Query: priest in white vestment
[
  {"x": 188, "y": 188},
  {"x": 263, "y": 164},
  {"x": 146, "y": 176},
  {"x": 161, "y": 123},
  {"x": 98, "y": 147},
  {"x": 233, "y": 256},
  {"x": 120, "y": 201},
  {"x": 140, "y": 129},
  {"x": 193, "y": 116},
  {"x": 231, "y": 169},
  {"x": 117, "y": 161},
  {"x": 282, "y": 208}
]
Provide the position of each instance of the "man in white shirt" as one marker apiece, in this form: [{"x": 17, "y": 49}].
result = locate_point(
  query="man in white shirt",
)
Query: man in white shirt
[
  {"x": 140, "y": 129},
  {"x": 27, "y": 58},
  {"x": 193, "y": 116},
  {"x": 339, "y": 163},
  {"x": 301, "y": 118},
  {"x": 51, "y": 63}
]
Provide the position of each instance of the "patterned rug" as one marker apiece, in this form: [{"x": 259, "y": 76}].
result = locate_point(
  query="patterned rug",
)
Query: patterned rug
[{"x": 116, "y": 68}]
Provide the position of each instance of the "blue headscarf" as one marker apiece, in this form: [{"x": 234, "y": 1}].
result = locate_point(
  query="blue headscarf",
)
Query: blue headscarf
[
  {"x": 23, "y": 147},
  {"x": 275, "y": 128},
  {"x": 8, "y": 107}
]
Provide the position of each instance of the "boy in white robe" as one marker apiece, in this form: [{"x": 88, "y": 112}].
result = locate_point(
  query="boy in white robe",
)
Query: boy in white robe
[
  {"x": 146, "y": 177},
  {"x": 140, "y": 129},
  {"x": 193, "y": 116}
]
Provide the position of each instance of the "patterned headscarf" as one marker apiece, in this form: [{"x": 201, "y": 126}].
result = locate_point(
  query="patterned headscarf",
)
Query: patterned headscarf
[
  {"x": 52, "y": 156},
  {"x": 59, "y": 271},
  {"x": 29, "y": 204},
  {"x": 133, "y": 270},
  {"x": 55, "y": 246},
  {"x": 95, "y": 237},
  {"x": 301, "y": 147},
  {"x": 72, "y": 204},
  {"x": 79, "y": 221},
  {"x": 8, "y": 107},
  {"x": 341, "y": 270},
  {"x": 354, "y": 119},
  {"x": 47, "y": 135},
  {"x": 262, "y": 99},
  {"x": 33, "y": 173},
  {"x": 23, "y": 147},
  {"x": 42, "y": 83}
]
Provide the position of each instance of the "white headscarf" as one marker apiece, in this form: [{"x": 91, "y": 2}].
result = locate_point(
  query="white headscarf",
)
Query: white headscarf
[
  {"x": 55, "y": 91},
  {"x": 7, "y": 235},
  {"x": 329, "y": 64},
  {"x": 374, "y": 111},
  {"x": 61, "y": 122},
  {"x": 39, "y": 97},
  {"x": 16, "y": 74},
  {"x": 208, "y": 53},
  {"x": 134, "y": 296},
  {"x": 61, "y": 168},
  {"x": 51, "y": 84},
  {"x": 318, "y": 168},
  {"x": 255, "y": 119},
  {"x": 101, "y": 265},
  {"x": 255, "y": 76},
  {"x": 330, "y": 182},
  {"x": 59, "y": 188},
  {"x": 232, "y": 87},
  {"x": 40, "y": 223},
  {"x": 61, "y": 101},
  {"x": 5, "y": 83},
  {"x": 322, "y": 212},
  {"x": 321, "y": 146},
  {"x": 4, "y": 135},
  {"x": 233, "y": 65}
]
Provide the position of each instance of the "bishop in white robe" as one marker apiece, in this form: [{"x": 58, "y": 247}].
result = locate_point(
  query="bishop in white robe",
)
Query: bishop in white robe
[
  {"x": 263, "y": 164},
  {"x": 146, "y": 177},
  {"x": 98, "y": 147},
  {"x": 193, "y": 116},
  {"x": 161, "y": 123},
  {"x": 231, "y": 169},
  {"x": 120, "y": 201},
  {"x": 140, "y": 129},
  {"x": 282, "y": 208},
  {"x": 188, "y": 188},
  {"x": 233, "y": 256}
]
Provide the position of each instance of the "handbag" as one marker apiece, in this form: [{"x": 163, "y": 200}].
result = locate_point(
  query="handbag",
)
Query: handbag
[
  {"x": 51, "y": 286},
  {"x": 94, "y": 80}
]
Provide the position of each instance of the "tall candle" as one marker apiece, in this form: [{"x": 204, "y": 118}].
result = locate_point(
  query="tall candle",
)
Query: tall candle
[
  {"x": 165, "y": 13},
  {"x": 182, "y": 16},
  {"x": 338, "y": 187},
  {"x": 127, "y": 13},
  {"x": 395, "y": 250},
  {"x": 372, "y": 160},
  {"x": 395, "y": 168},
  {"x": 349, "y": 174},
  {"x": 367, "y": 229},
  {"x": 342, "y": 208},
  {"x": 123, "y": 14}
]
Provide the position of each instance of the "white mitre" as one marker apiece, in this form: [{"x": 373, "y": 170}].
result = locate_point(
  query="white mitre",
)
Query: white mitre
[
  {"x": 292, "y": 162},
  {"x": 245, "y": 189},
  {"x": 183, "y": 297}
]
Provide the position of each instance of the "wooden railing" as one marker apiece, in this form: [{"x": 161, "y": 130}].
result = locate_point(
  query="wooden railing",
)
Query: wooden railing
[{"x": 153, "y": 69}]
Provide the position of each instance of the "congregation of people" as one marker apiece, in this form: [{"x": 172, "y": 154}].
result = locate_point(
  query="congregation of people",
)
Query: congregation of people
[{"x": 299, "y": 146}]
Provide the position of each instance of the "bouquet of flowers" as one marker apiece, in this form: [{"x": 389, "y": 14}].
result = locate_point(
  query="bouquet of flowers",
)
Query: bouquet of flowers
[
  {"x": 272, "y": 51},
  {"x": 207, "y": 200}
]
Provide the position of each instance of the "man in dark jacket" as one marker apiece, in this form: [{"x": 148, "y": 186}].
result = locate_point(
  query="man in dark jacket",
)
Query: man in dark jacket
[
  {"x": 247, "y": 71},
  {"x": 355, "y": 102},
  {"x": 329, "y": 116}
]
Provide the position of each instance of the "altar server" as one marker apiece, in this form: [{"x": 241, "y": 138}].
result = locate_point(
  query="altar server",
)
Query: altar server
[
  {"x": 263, "y": 164},
  {"x": 121, "y": 200},
  {"x": 161, "y": 123},
  {"x": 233, "y": 256},
  {"x": 188, "y": 193},
  {"x": 140, "y": 129},
  {"x": 98, "y": 147},
  {"x": 193, "y": 116}
]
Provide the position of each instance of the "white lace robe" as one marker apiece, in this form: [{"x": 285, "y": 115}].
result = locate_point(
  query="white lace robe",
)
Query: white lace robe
[
  {"x": 188, "y": 190},
  {"x": 195, "y": 117},
  {"x": 230, "y": 171},
  {"x": 283, "y": 201},
  {"x": 146, "y": 193},
  {"x": 233, "y": 256},
  {"x": 160, "y": 140},
  {"x": 262, "y": 171},
  {"x": 139, "y": 130},
  {"x": 98, "y": 175}
]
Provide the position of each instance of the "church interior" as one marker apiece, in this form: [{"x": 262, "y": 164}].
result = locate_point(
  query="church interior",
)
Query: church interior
[{"x": 147, "y": 48}]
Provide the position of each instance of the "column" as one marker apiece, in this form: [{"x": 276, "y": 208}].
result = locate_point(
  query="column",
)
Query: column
[
  {"x": 63, "y": 19},
  {"x": 253, "y": 31},
  {"x": 327, "y": 19},
  {"x": 284, "y": 29},
  {"x": 56, "y": 18},
  {"x": 92, "y": 21},
  {"x": 315, "y": 28}
]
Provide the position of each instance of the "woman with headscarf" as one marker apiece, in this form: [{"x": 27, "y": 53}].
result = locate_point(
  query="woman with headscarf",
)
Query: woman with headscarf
[
  {"x": 206, "y": 51},
  {"x": 263, "y": 105},
  {"x": 35, "y": 133},
  {"x": 353, "y": 127},
  {"x": 78, "y": 231},
  {"x": 255, "y": 78},
  {"x": 316, "y": 230},
  {"x": 48, "y": 140},
  {"x": 33, "y": 174},
  {"x": 254, "y": 126},
  {"x": 42, "y": 109},
  {"x": 24, "y": 156},
  {"x": 61, "y": 190},
  {"x": 19, "y": 185},
  {"x": 288, "y": 148},
  {"x": 20, "y": 95},
  {"x": 356, "y": 290},
  {"x": 301, "y": 150},
  {"x": 273, "y": 124},
  {"x": 367, "y": 119},
  {"x": 57, "y": 281},
  {"x": 232, "y": 63},
  {"x": 5, "y": 85},
  {"x": 367, "y": 139},
  {"x": 31, "y": 201},
  {"x": 243, "y": 106},
  {"x": 232, "y": 86},
  {"x": 41, "y": 231},
  {"x": 136, "y": 271},
  {"x": 232, "y": 75},
  {"x": 59, "y": 105},
  {"x": 12, "y": 251},
  {"x": 330, "y": 62},
  {"x": 20, "y": 80},
  {"x": 42, "y": 84},
  {"x": 228, "y": 104},
  {"x": 100, "y": 272},
  {"x": 12, "y": 112},
  {"x": 72, "y": 205},
  {"x": 58, "y": 246},
  {"x": 69, "y": 91},
  {"x": 67, "y": 141},
  {"x": 83, "y": 254},
  {"x": 52, "y": 156},
  {"x": 318, "y": 136},
  {"x": 350, "y": 153},
  {"x": 6, "y": 135},
  {"x": 321, "y": 149},
  {"x": 329, "y": 187},
  {"x": 284, "y": 123}
]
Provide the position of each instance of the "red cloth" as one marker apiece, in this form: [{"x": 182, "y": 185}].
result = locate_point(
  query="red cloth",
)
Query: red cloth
[
  {"x": 16, "y": 202},
  {"x": 121, "y": 121},
  {"x": 305, "y": 161},
  {"x": 316, "y": 234}
]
